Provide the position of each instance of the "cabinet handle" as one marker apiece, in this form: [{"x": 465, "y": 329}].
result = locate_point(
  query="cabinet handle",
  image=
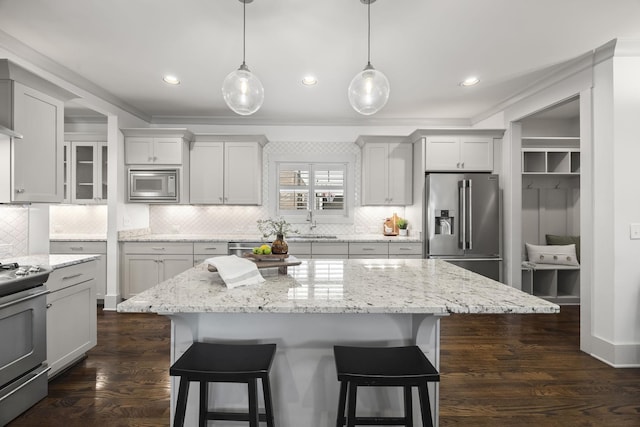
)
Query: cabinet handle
[
  {"x": 462, "y": 165},
  {"x": 368, "y": 249},
  {"x": 458, "y": 165},
  {"x": 210, "y": 249},
  {"x": 150, "y": 159},
  {"x": 158, "y": 248},
  {"x": 73, "y": 276},
  {"x": 76, "y": 248},
  {"x": 19, "y": 190},
  {"x": 221, "y": 199},
  {"x": 404, "y": 249},
  {"x": 161, "y": 261},
  {"x": 49, "y": 306}
]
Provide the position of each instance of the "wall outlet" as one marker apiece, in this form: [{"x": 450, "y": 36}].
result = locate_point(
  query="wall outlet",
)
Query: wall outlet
[{"x": 635, "y": 231}]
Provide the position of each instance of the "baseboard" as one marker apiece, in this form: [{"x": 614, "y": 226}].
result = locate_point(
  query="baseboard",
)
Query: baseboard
[{"x": 616, "y": 355}]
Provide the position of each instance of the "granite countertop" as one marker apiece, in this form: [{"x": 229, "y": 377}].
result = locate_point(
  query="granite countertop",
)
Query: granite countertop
[
  {"x": 78, "y": 237},
  {"x": 53, "y": 260},
  {"x": 341, "y": 286},
  {"x": 341, "y": 238}
]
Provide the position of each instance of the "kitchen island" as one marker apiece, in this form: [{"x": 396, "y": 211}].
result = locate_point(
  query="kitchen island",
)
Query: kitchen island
[{"x": 318, "y": 304}]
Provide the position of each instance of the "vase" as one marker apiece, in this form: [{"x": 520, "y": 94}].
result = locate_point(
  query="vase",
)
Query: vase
[
  {"x": 279, "y": 246},
  {"x": 403, "y": 231}
]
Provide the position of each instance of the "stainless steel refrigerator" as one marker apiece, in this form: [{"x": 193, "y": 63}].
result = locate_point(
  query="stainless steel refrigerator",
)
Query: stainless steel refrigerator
[{"x": 462, "y": 221}]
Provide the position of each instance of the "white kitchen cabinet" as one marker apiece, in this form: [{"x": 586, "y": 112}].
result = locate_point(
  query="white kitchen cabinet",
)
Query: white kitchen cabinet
[
  {"x": 38, "y": 117},
  {"x": 387, "y": 169},
  {"x": 202, "y": 250},
  {"x": 331, "y": 250},
  {"x": 226, "y": 172},
  {"x": 86, "y": 248},
  {"x": 360, "y": 250},
  {"x": 88, "y": 180},
  {"x": 147, "y": 264},
  {"x": 71, "y": 315},
  {"x": 405, "y": 250},
  {"x": 156, "y": 146},
  {"x": 453, "y": 153}
]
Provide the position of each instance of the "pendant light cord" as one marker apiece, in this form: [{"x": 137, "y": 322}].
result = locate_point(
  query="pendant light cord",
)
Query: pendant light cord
[
  {"x": 244, "y": 30},
  {"x": 369, "y": 33}
]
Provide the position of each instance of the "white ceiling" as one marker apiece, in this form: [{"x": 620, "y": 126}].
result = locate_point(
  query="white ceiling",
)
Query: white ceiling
[{"x": 425, "y": 47}]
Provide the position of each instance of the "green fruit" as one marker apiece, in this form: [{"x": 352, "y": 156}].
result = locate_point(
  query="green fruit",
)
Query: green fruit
[
  {"x": 257, "y": 251},
  {"x": 266, "y": 251}
]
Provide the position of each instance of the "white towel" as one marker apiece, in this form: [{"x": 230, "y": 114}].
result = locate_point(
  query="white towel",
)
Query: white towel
[{"x": 236, "y": 271}]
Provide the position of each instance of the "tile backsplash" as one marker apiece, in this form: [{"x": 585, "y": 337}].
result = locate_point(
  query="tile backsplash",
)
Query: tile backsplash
[
  {"x": 78, "y": 219},
  {"x": 14, "y": 231}
]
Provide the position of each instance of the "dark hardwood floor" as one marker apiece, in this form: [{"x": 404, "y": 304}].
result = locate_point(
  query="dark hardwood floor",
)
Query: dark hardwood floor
[{"x": 497, "y": 370}]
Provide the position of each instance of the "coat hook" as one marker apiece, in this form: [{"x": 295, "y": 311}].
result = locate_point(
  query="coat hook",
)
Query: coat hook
[
  {"x": 530, "y": 185},
  {"x": 557, "y": 185}
]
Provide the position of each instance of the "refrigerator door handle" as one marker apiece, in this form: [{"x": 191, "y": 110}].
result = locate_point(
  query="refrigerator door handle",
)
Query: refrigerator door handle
[
  {"x": 470, "y": 192},
  {"x": 462, "y": 221}
]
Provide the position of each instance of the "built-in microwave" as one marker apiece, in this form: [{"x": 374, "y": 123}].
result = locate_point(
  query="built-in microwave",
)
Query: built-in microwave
[{"x": 153, "y": 185}]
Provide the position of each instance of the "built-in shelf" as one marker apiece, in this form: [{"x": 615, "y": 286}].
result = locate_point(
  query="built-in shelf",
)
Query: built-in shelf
[
  {"x": 557, "y": 283},
  {"x": 550, "y": 161}
]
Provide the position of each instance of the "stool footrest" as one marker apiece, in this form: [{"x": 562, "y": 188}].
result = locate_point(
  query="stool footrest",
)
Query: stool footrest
[
  {"x": 379, "y": 421},
  {"x": 232, "y": 416}
]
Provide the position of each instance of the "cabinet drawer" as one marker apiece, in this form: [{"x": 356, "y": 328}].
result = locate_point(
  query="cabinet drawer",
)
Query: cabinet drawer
[
  {"x": 213, "y": 248},
  {"x": 369, "y": 249},
  {"x": 399, "y": 248},
  {"x": 299, "y": 248},
  {"x": 158, "y": 248},
  {"x": 325, "y": 248},
  {"x": 74, "y": 247},
  {"x": 64, "y": 277}
]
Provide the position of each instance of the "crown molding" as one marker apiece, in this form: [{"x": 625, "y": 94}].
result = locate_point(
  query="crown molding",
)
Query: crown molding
[{"x": 334, "y": 121}]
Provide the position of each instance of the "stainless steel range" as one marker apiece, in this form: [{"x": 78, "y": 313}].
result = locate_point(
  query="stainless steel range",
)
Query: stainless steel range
[{"x": 23, "y": 338}]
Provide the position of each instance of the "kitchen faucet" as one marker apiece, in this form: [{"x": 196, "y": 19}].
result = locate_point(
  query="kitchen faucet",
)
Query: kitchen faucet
[{"x": 311, "y": 221}]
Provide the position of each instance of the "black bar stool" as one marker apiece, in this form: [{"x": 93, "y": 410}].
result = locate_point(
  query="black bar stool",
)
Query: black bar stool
[
  {"x": 226, "y": 363},
  {"x": 383, "y": 367}
]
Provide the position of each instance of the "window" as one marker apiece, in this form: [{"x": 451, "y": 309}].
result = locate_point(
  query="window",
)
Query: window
[{"x": 316, "y": 187}]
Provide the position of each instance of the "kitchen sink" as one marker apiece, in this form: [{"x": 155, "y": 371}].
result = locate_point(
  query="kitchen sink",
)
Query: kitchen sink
[{"x": 311, "y": 236}]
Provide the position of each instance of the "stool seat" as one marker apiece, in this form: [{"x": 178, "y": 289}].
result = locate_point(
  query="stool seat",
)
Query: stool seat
[
  {"x": 383, "y": 366},
  {"x": 226, "y": 363}
]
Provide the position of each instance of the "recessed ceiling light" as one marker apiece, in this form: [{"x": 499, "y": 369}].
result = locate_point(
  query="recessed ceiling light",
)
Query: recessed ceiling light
[
  {"x": 470, "y": 81},
  {"x": 172, "y": 80},
  {"x": 309, "y": 80}
]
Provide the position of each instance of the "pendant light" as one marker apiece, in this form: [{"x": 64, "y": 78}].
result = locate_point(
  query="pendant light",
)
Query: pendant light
[
  {"x": 369, "y": 89},
  {"x": 241, "y": 89}
]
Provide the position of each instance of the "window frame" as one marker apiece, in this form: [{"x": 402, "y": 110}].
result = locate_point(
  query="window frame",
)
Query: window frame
[{"x": 320, "y": 216}]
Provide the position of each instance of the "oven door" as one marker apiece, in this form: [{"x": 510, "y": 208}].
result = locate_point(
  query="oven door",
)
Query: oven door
[
  {"x": 23, "y": 333},
  {"x": 153, "y": 185}
]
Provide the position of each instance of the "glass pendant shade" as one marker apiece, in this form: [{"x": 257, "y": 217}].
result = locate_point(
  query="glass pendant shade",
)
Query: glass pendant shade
[
  {"x": 369, "y": 91},
  {"x": 242, "y": 91}
]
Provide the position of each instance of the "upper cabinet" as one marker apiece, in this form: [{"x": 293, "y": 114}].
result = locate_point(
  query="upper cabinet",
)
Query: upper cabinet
[
  {"x": 453, "y": 153},
  {"x": 457, "y": 150},
  {"x": 387, "y": 167},
  {"x": 226, "y": 170},
  {"x": 85, "y": 168},
  {"x": 33, "y": 108},
  {"x": 156, "y": 146}
]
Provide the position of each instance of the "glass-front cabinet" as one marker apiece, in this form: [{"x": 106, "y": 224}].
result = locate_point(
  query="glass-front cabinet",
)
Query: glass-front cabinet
[{"x": 85, "y": 169}]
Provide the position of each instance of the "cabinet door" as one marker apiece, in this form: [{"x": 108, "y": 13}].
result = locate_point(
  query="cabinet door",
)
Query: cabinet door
[
  {"x": 102, "y": 162},
  {"x": 167, "y": 151},
  {"x": 138, "y": 150},
  {"x": 83, "y": 172},
  {"x": 207, "y": 173},
  {"x": 442, "y": 153},
  {"x": 242, "y": 173},
  {"x": 400, "y": 173},
  {"x": 172, "y": 265},
  {"x": 375, "y": 174},
  {"x": 71, "y": 324},
  {"x": 39, "y": 118},
  {"x": 140, "y": 273},
  {"x": 476, "y": 154}
]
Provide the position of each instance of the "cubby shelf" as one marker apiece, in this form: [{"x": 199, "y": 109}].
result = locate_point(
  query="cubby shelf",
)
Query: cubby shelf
[
  {"x": 550, "y": 161},
  {"x": 557, "y": 283}
]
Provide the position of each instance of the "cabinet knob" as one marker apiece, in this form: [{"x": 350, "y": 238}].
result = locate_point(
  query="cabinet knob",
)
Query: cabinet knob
[
  {"x": 19, "y": 190},
  {"x": 462, "y": 165},
  {"x": 458, "y": 165}
]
